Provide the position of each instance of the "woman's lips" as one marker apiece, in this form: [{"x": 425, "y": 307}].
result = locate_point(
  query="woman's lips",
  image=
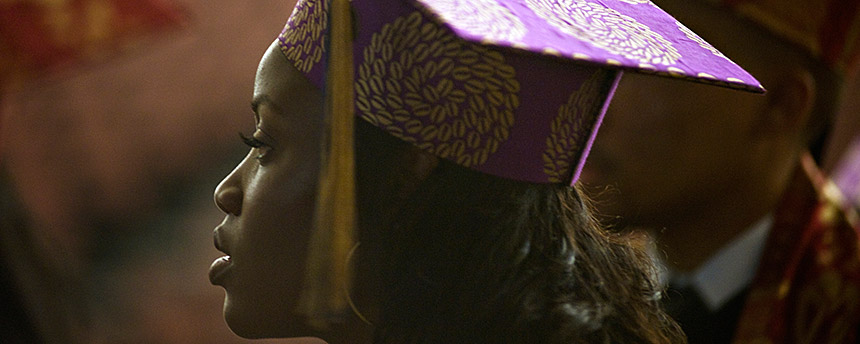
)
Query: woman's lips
[
  {"x": 218, "y": 269},
  {"x": 220, "y": 266}
]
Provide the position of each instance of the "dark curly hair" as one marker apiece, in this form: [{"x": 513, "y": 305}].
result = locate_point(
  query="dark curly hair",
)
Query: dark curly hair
[{"x": 470, "y": 258}]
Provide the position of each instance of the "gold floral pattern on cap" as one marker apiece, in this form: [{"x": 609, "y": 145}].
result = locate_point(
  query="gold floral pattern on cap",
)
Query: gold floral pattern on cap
[
  {"x": 693, "y": 36},
  {"x": 302, "y": 38},
  {"x": 484, "y": 18},
  {"x": 569, "y": 128},
  {"x": 607, "y": 29},
  {"x": 425, "y": 86}
]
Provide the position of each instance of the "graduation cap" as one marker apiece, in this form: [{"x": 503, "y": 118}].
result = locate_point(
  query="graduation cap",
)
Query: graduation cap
[{"x": 511, "y": 88}]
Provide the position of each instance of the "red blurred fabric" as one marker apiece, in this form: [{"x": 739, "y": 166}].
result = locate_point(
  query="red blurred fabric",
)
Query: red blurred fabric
[
  {"x": 39, "y": 37},
  {"x": 807, "y": 288}
]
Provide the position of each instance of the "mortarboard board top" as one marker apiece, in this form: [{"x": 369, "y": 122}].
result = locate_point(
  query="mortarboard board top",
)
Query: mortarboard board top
[{"x": 513, "y": 88}]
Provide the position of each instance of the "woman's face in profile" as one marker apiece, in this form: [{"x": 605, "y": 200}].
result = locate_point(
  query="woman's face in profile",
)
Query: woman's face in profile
[{"x": 269, "y": 200}]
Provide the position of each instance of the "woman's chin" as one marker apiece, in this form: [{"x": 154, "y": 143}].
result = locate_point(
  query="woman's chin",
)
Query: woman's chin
[
  {"x": 250, "y": 323},
  {"x": 253, "y": 323}
]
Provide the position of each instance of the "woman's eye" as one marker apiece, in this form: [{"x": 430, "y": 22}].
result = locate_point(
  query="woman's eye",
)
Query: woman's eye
[{"x": 261, "y": 147}]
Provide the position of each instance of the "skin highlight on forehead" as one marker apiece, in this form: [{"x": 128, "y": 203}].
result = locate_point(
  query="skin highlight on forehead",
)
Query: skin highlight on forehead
[{"x": 297, "y": 98}]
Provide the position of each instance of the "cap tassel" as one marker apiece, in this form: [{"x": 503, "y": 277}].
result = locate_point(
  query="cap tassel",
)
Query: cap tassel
[{"x": 328, "y": 278}]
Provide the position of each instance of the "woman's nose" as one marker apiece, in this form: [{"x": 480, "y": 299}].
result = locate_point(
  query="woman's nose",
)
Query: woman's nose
[{"x": 228, "y": 195}]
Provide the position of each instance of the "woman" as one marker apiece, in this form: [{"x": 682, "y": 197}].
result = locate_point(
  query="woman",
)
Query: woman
[{"x": 469, "y": 228}]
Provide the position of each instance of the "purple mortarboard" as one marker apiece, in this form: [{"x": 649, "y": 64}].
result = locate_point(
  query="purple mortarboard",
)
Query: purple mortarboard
[
  {"x": 846, "y": 175},
  {"x": 511, "y": 88}
]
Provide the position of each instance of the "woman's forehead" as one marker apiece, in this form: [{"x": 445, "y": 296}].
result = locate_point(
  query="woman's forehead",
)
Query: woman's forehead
[
  {"x": 282, "y": 89},
  {"x": 277, "y": 79},
  {"x": 271, "y": 73}
]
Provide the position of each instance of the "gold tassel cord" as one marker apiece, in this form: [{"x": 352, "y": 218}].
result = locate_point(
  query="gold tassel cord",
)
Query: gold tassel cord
[{"x": 328, "y": 277}]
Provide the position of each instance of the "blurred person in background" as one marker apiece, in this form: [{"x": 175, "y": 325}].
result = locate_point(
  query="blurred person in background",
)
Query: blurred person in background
[
  {"x": 758, "y": 247},
  {"x": 458, "y": 178}
]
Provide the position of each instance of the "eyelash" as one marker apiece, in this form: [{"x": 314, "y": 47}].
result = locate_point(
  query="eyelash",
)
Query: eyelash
[
  {"x": 257, "y": 144},
  {"x": 251, "y": 141}
]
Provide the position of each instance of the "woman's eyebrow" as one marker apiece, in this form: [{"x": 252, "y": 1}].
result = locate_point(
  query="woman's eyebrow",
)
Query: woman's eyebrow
[{"x": 260, "y": 100}]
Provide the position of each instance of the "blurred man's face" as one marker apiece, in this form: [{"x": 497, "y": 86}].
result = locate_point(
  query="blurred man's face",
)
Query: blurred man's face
[
  {"x": 669, "y": 146},
  {"x": 670, "y": 149}
]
